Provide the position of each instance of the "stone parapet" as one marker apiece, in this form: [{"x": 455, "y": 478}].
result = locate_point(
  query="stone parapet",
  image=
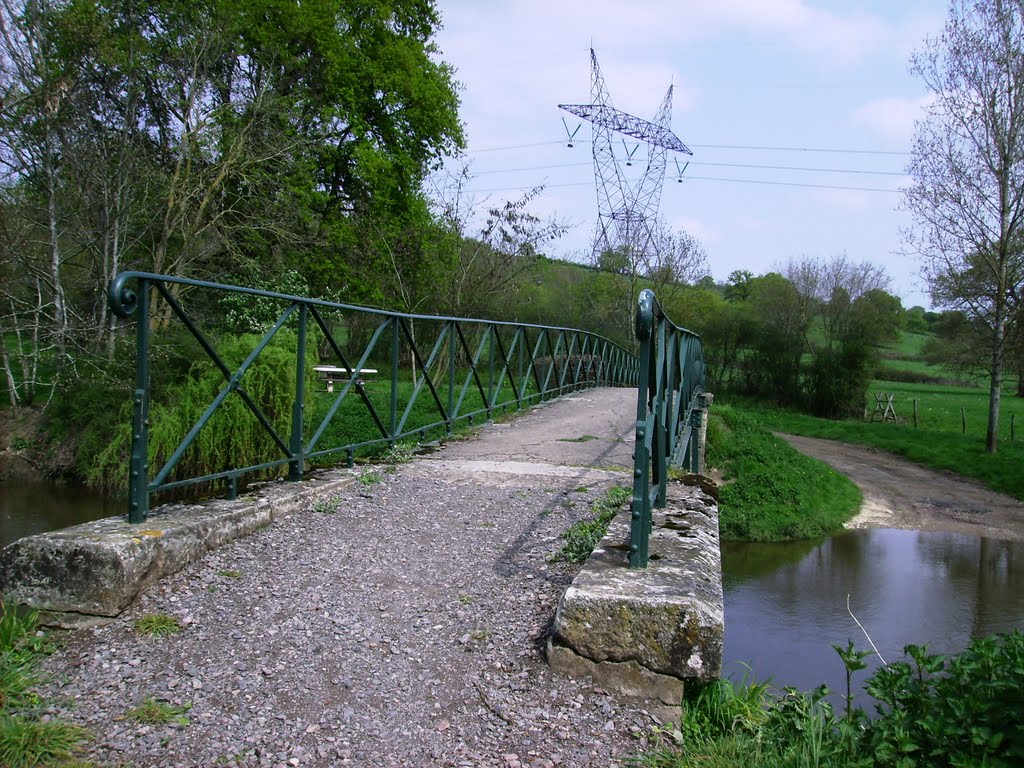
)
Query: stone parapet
[
  {"x": 87, "y": 574},
  {"x": 652, "y": 628}
]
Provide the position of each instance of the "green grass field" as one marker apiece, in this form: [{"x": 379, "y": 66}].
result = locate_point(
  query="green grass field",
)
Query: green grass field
[{"x": 938, "y": 407}]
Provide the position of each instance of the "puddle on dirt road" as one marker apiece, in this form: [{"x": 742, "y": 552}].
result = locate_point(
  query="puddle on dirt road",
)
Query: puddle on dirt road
[{"x": 785, "y": 604}]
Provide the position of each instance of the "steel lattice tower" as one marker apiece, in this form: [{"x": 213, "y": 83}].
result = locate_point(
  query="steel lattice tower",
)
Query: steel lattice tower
[{"x": 626, "y": 210}]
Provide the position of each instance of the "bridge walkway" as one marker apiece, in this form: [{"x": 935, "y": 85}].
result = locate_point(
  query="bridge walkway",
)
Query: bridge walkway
[{"x": 403, "y": 623}]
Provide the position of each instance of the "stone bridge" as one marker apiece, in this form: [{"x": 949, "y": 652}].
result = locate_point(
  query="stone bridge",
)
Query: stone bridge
[{"x": 421, "y": 596}]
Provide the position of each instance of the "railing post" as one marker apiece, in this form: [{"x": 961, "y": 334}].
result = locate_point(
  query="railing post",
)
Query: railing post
[
  {"x": 394, "y": 382},
  {"x": 670, "y": 384},
  {"x": 697, "y": 429},
  {"x": 451, "y": 376},
  {"x": 491, "y": 331},
  {"x": 640, "y": 518},
  {"x": 520, "y": 380},
  {"x": 138, "y": 469},
  {"x": 296, "y": 466}
]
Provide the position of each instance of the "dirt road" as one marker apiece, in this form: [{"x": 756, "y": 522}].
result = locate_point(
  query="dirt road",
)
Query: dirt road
[{"x": 900, "y": 494}]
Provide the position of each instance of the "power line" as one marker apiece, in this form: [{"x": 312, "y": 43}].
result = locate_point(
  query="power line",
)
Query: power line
[
  {"x": 716, "y": 178},
  {"x": 699, "y": 162},
  {"x": 804, "y": 149},
  {"x": 827, "y": 150}
]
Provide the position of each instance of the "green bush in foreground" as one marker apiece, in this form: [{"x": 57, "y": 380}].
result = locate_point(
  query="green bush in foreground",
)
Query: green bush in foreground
[
  {"x": 772, "y": 492},
  {"x": 965, "y": 710}
]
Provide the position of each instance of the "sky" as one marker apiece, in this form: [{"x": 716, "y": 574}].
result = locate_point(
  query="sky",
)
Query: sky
[{"x": 799, "y": 113}]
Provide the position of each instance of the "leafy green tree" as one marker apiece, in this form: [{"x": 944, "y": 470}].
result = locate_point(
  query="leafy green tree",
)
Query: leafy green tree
[
  {"x": 737, "y": 285},
  {"x": 781, "y": 322}
]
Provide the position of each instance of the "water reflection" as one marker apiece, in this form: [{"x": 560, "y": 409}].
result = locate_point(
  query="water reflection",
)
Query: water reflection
[
  {"x": 786, "y": 604},
  {"x": 28, "y": 508}
]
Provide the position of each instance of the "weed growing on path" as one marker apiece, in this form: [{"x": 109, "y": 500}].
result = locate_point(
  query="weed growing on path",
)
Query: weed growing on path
[
  {"x": 157, "y": 625},
  {"x": 582, "y": 537},
  {"x": 371, "y": 477},
  {"x": 153, "y": 712},
  {"x": 326, "y": 506}
]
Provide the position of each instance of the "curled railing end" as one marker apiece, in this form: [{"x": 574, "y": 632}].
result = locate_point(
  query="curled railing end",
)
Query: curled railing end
[
  {"x": 122, "y": 300},
  {"x": 645, "y": 314}
]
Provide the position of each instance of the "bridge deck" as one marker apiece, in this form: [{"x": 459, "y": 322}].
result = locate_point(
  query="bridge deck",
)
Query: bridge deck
[{"x": 405, "y": 628}]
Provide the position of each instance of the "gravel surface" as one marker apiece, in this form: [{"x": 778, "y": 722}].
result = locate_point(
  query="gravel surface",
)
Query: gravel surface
[{"x": 404, "y": 626}]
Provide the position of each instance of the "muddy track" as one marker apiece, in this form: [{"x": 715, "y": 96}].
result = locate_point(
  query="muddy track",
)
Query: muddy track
[{"x": 901, "y": 494}]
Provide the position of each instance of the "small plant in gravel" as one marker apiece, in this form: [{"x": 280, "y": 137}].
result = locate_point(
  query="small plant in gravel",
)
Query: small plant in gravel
[
  {"x": 327, "y": 506},
  {"x": 401, "y": 453},
  {"x": 157, "y": 625},
  {"x": 583, "y": 536},
  {"x": 230, "y": 574},
  {"x": 371, "y": 477},
  {"x": 153, "y": 712}
]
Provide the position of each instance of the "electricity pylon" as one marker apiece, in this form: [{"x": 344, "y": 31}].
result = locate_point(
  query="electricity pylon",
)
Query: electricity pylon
[{"x": 626, "y": 210}]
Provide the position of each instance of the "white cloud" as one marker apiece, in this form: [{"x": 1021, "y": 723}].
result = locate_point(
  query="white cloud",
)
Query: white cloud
[
  {"x": 892, "y": 119},
  {"x": 835, "y": 37}
]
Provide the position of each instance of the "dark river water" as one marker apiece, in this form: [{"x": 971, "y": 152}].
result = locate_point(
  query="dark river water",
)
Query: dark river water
[
  {"x": 33, "y": 508},
  {"x": 785, "y": 604}
]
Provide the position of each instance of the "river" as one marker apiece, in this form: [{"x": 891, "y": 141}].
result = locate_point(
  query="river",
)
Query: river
[
  {"x": 27, "y": 508},
  {"x": 786, "y": 604}
]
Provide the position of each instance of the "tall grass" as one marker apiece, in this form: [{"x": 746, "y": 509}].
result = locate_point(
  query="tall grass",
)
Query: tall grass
[
  {"x": 232, "y": 437},
  {"x": 25, "y": 739}
]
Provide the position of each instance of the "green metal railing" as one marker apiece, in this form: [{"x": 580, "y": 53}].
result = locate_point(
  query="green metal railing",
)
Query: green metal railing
[
  {"x": 475, "y": 368},
  {"x": 670, "y": 407}
]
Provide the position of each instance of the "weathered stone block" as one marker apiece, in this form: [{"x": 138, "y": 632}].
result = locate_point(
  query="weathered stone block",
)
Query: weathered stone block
[
  {"x": 626, "y": 677},
  {"x": 87, "y": 573},
  {"x": 667, "y": 618}
]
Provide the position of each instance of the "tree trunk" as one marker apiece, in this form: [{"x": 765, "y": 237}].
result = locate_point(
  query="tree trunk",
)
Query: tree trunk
[
  {"x": 60, "y": 320},
  {"x": 996, "y": 385},
  {"x": 12, "y": 387}
]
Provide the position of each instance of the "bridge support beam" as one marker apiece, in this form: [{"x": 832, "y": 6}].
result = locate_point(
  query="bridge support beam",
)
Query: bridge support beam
[{"x": 644, "y": 632}]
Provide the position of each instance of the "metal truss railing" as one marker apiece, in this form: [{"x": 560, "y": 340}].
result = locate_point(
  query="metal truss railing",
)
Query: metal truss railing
[
  {"x": 669, "y": 411},
  {"x": 474, "y": 369}
]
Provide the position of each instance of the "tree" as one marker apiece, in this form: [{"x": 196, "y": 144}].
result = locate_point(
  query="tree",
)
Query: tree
[
  {"x": 492, "y": 246},
  {"x": 654, "y": 256},
  {"x": 781, "y": 319},
  {"x": 737, "y": 286},
  {"x": 966, "y": 196}
]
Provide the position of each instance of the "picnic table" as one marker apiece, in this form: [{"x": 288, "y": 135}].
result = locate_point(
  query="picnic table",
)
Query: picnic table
[{"x": 333, "y": 374}]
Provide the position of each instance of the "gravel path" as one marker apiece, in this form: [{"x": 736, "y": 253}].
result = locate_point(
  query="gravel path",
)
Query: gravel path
[{"x": 405, "y": 626}]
